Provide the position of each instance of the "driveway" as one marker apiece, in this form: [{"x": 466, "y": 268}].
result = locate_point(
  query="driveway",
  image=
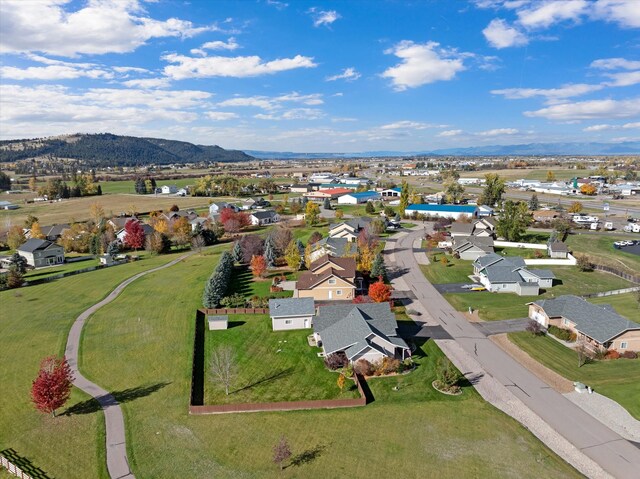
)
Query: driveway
[
  {"x": 506, "y": 326},
  {"x": 454, "y": 287}
]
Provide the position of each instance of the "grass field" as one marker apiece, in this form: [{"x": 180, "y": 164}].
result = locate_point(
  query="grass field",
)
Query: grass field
[
  {"x": 455, "y": 271},
  {"x": 625, "y": 304},
  {"x": 34, "y": 323},
  {"x": 617, "y": 379},
  {"x": 600, "y": 249},
  {"x": 273, "y": 365},
  {"x": 496, "y": 306},
  {"x": 144, "y": 340},
  {"x": 64, "y": 268},
  {"x": 243, "y": 282},
  {"x": 128, "y": 186}
]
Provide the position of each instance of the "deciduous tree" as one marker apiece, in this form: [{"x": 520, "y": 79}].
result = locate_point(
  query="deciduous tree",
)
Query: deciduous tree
[
  {"x": 341, "y": 382},
  {"x": 589, "y": 189},
  {"x": 258, "y": 266},
  {"x": 15, "y": 237},
  {"x": 281, "y": 452},
  {"x": 575, "y": 207},
  {"x": 252, "y": 245},
  {"x": 223, "y": 366},
  {"x": 315, "y": 237},
  {"x": 551, "y": 176},
  {"x": 514, "y": 220},
  {"x": 36, "y": 231},
  {"x": 292, "y": 256},
  {"x": 52, "y": 387},
  {"x": 453, "y": 190},
  {"x": 493, "y": 190},
  {"x": 380, "y": 292},
  {"x": 96, "y": 212},
  {"x": 339, "y": 214},
  {"x": 312, "y": 213},
  {"x": 134, "y": 234},
  {"x": 404, "y": 196}
]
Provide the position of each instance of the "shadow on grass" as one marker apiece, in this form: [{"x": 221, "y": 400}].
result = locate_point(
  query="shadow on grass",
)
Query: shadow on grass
[
  {"x": 24, "y": 464},
  {"x": 472, "y": 380},
  {"x": 116, "y": 397},
  {"x": 267, "y": 379},
  {"x": 235, "y": 324},
  {"x": 241, "y": 280},
  {"x": 366, "y": 390},
  {"x": 308, "y": 456}
]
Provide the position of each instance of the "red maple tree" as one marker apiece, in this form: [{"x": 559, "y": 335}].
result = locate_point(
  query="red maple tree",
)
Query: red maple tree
[
  {"x": 133, "y": 234},
  {"x": 380, "y": 292},
  {"x": 233, "y": 221},
  {"x": 258, "y": 266},
  {"x": 51, "y": 389}
]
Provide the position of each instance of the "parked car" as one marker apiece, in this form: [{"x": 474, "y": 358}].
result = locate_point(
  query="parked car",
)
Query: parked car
[{"x": 468, "y": 286}]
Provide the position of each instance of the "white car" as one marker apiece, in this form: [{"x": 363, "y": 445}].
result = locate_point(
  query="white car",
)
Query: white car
[{"x": 468, "y": 286}]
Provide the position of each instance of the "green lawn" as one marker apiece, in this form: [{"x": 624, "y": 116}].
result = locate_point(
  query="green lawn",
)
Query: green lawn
[
  {"x": 625, "y": 304},
  {"x": 496, "y": 306},
  {"x": 617, "y": 379},
  {"x": 526, "y": 253},
  {"x": 128, "y": 186},
  {"x": 600, "y": 249},
  {"x": 34, "y": 323},
  {"x": 243, "y": 282},
  {"x": 64, "y": 268},
  {"x": 144, "y": 339},
  {"x": 455, "y": 271},
  {"x": 272, "y": 365}
]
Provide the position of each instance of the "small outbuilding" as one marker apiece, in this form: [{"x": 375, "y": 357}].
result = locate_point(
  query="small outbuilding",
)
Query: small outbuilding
[
  {"x": 218, "y": 322},
  {"x": 291, "y": 313},
  {"x": 557, "y": 249}
]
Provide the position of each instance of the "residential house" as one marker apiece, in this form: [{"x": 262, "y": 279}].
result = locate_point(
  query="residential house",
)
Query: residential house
[
  {"x": 484, "y": 228},
  {"x": 485, "y": 211},
  {"x": 291, "y": 313},
  {"x": 41, "y": 252},
  {"x": 544, "y": 216},
  {"x": 472, "y": 247},
  {"x": 50, "y": 232},
  {"x": 557, "y": 249},
  {"x": 266, "y": 217},
  {"x": 121, "y": 234},
  {"x": 168, "y": 189},
  {"x": 500, "y": 274},
  {"x": 598, "y": 326},
  {"x": 216, "y": 208},
  {"x": 118, "y": 222},
  {"x": 359, "y": 198},
  {"x": 349, "y": 228},
  {"x": 198, "y": 222},
  {"x": 253, "y": 203},
  {"x": 183, "y": 192},
  {"x": 338, "y": 247},
  {"x": 442, "y": 211},
  {"x": 328, "y": 278},
  {"x": 364, "y": 331},
  {"x": 172, "y": 216}
]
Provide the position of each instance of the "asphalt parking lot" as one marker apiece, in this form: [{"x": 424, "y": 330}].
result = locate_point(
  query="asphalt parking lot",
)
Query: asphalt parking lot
[{"x": 635, "y": 249}]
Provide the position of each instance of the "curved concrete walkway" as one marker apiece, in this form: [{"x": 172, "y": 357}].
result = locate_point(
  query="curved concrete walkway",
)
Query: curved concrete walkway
[{"x": 117, "y": 462}]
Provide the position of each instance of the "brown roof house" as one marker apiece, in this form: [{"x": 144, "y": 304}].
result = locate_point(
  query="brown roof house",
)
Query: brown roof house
[
  {"x": 546, "y": 215},
  {"x": 483, "y": 228},
  {"x": 328, "y": 278},
  {"x": 597, "y": 326}
]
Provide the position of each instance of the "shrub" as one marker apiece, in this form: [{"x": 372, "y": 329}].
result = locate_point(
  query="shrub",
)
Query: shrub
[
  {"x": 583, "y": 263},
  {"x": 613, "y": 354},
  {"x": 362, "y": 299},
  {"x": 335, "y": 361},
  {"x": 447, "y": 376},
  {"x": 534, "y": 327},
  {"x": 630, "y": 355},
  {"x": 236, "y": 300},
  {"x": 538, "y": 253},
  {"x": 258, "y": 302},
  {"x": 363, "y": 367},
  {"x": 561, "y": 333},
  {"x": 389, "y": 365}
]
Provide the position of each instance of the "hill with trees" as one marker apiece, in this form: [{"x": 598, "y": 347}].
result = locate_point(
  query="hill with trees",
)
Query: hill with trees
[{"x": 105, "y": 149}]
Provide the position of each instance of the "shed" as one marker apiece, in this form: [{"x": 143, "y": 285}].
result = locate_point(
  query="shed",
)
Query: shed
[
  {"x": 218, "y": 322},
  {"x": 557, "y": 249}
]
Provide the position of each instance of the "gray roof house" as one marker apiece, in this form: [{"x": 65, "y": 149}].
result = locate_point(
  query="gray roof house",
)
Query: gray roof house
[
  {"x": 51, "y": 232},
  {"x": 349, "y": 228},
  {"x": 265, "y": 217},
  {"x": 333, "y": 246},
  {"x": 364, "y": 331},
  {"x": 501, "y": 274},
  {"x": 41, "y": 252},
  {"x": 472, "y": 247},
  {"x": 598, "y": 325},
  {"x": 483, "y": 228},
  {"x": 291, "y": 313}
]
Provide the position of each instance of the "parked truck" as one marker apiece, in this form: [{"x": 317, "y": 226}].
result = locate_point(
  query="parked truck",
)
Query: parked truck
[{"x": 632, "y": 228}]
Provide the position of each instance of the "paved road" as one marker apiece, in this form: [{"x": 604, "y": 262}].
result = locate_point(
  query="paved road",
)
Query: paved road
[
  {"x": 117, "y": 462},
  {"x": 500, "y": 327},
  {"x": 614, "y": 454}
]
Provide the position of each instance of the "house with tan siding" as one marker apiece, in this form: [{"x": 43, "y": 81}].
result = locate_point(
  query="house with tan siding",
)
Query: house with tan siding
[
  {"x": 598, "y": 326},
  {"x": 328, "y": 278}
]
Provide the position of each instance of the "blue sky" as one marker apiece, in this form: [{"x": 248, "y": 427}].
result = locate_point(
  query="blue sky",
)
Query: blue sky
[{"x": 323, "y": 76}]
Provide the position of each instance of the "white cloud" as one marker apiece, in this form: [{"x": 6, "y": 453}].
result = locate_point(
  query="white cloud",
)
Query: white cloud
[
  {"x": 322, "y": 17},
  {"x": 500, "y": 34},
  {"x": 405, "y": 124},
  {"x": 278, "y": 5},
  {"x": 293, "y": 114},
  {"x": 422, "y": 64},
  {"x": 236, "y": 67},
  {"x": 623, "y": 78},
  {"x": 615, "y": 64},
  {"x": 587, "y": 110},
  {"x": 221, "y": 115},
  {"x": 551, "y": 94},
  {"x": 273, "y": 103},
  {"x": 447, "y": 133},
  {"x": 623, "y": 12},
  {"x": 603, "y": 127},
  {"x": 498, "y": 132},
  {"x": 52, "y": 72},
  {"x": 230, "y": 44},
  {"x": 349, "y": 74},
  {"x": 106, "y": 26},
  {"x": 549, "y": 12},
  {"x": 146, "y": 83}
]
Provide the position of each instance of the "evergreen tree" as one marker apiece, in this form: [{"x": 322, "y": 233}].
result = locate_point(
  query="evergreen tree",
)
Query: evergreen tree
[
  {"x": 237, "y": 252},
  {"x": 19, "y": 262},
  {"x": 534, "y": 203},
  {"x": 404, "y": 196},
  {"x": 370, "y": 209},
  {"x": 378, "y": 268},
  {"x": 300, "y": 246},
  {"x": 327, "y": 204},
  {"x": 95, "y": 245},
  {"x": 99, "y": 191},
  {"x": 113, "y": 248},
  {"x": 269, "y": 253}
]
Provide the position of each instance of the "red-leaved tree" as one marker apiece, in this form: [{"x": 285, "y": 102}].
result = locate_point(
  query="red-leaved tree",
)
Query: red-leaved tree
[
  {"x": 52, "y": 387},
  {"x": 258, "y": 266},
  {"x": 233, "y": 221},
  {"x": 380, "y": 292},
  {"x": 133, "y": 234}
]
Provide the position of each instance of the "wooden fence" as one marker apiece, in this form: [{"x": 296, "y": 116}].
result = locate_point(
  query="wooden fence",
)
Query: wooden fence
[
  {"x": 13, "y": 469},
  {"x": 621, "y": 274},
  {"x": 234, "y": 311},
  {"x": 8, "y": 463},
  {"x": 196, "y": 402}
]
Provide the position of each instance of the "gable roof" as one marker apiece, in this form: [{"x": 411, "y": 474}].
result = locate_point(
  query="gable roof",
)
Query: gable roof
[
  {"x": 508, "y": 269},
  {"x": 349, "y": 327},
  {"x": 484, "y": 243},
  {"x": 558, "y": 246},
  {"x": 353, "y": 223},
  {"x": 54, "y": 230},
  {"x": 347, "y": 265},
  {"x": 264, "y": 214},
  {"x": 598, "y": 321},
  {"x": 336, "y": 246},
  {"x": 32, "y": 245},
  {"x": 364, "y": 194},
  {"x": 285, "y": 307},
  {"x": 336, "y": 191},
  {"x": 462, "y": 228},
  {"x": 308, "y": 279}
]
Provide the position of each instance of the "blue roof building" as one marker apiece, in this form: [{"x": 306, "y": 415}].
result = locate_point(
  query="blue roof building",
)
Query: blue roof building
[{"x": 357, "y": 198}]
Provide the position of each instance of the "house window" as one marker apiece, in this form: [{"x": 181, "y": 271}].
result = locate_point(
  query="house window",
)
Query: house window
[
  {"x": 332, "y": 281},
  {"x": 565, "y": 322},
  {"x": 339, "y": 292},
  {"x": 288, "y": 321},
  {"x": 623, "y": 345}
]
